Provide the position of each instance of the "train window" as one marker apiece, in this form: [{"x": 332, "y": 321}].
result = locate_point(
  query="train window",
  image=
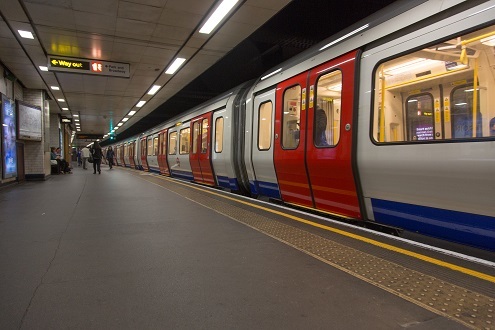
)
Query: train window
[
  {"x": 172, "y": 143},
  {"x": 155, "y": 146},
  {"x": 219, "y": 134},
  {"x": 195, "y": 137},
  {"x": 462, "y": 113},
  {"x": 327, "y": 110},
  {"x": 184, "y": 141},
  {"x": 291, "y": 117},
  {"x": 125, "y": 150},
  {"x": 440, "y": 92},
  {"x": 419, "y": 117},
  {"x": 150, "y": 147},
  {"x": 204, "y": 135},
  {"x": 265, "y": 126}
]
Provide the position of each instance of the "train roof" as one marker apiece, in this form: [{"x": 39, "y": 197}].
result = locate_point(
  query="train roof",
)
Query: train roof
[{"x": 397, "y": 16}]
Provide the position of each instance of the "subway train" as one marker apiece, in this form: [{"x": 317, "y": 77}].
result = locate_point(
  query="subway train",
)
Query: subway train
[{"x": 391, "y": 121}]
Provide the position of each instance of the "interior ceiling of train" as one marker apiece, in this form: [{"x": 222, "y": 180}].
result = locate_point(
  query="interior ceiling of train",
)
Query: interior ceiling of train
[{"x": 99, "y": 59}]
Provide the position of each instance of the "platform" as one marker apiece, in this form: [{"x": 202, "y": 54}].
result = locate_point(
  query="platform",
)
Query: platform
[{"x": 131, "y": 250}]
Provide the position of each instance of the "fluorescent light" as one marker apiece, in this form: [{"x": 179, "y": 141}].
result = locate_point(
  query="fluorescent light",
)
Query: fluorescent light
[
  {"x": 75, "y": 115},
  {"x": 462, "y": 103},
  {"x": 26, "y": 34},
  {"x": 140, "y": 104},
  {"x": 175, "y": 65},
  {"x": 116, "y": 128},
  {"x": 43, "y": 68},
  {"x": 125, "y": 119},
  {"x": 55, "y": 88},
  {"x": 66, "y": 109},
  {"x": 217, "y": 16},
  {"x": 75, "y": 119},
  {"x": 61, "y": 100},
  {"x": 489, "y": 41},
  {"x": 346, "y": 36},
  {"x": 132, "y": 112},
  {"x": 120, "y": 124},
  {"x": 154, "y": 89}
]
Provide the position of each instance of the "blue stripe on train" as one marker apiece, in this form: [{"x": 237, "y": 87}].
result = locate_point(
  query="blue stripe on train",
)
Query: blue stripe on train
[
  {"x": 265, "y": 188},
  {"x": 154, "y": 169},
  {"x": 467, "y": 228},
  {"x": 229, "y": 183},
  {"x": 182, "y": 175}
]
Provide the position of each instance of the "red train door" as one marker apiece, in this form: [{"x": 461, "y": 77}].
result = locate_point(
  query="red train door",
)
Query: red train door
[
  {"x": 132, "y": 146},
  {"x": 289, "y": 145},
  {"x": 162, "y": 152},
  {"x": 143, "y": 153},
  {"x": 330, "y": 136},
  {"x": 200, "y": 156}
]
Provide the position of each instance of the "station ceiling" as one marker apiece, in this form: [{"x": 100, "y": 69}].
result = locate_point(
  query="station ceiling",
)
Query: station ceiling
[{"x": 140, "y": 39}]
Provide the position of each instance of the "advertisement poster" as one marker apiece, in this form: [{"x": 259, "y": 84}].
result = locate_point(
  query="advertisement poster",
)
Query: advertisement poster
[{"x": 9, "y": 157}]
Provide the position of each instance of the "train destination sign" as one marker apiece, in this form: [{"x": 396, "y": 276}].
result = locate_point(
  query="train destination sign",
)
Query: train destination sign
[{"x": 87, "y": 66}]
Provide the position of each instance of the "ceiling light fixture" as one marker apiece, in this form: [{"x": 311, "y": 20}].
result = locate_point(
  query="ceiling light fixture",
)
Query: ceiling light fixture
[
  {"x": 120, "y": 124},
  {"x": 132, "y": 112},
  {"x": 125, "y": 119},
  {"x": 140, "y": 104},
  {"x": 26, "y": 34},
  {"x": 154, "y": 89},
  {"x": 61, "y": 100},
  {"x": 217, "y": 16},
  {"x": 55, "y": 88},
  {"x": 43, "y": 68},
  {"x": 65, "y": 109},
  {"x": 175, "y": 65}
]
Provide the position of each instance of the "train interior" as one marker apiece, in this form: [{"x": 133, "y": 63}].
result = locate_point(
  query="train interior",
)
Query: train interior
[{"x": 442, "y": 92}]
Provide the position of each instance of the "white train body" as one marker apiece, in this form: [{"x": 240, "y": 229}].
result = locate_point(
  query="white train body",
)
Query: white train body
[{"x": 390, "y": 121}]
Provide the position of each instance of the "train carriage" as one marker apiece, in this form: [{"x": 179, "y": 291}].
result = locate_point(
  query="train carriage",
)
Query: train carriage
[{"x": 396, "y": 128}]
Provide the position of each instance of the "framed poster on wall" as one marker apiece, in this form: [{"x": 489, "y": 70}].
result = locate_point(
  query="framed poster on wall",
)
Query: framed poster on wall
[{"x": 9, "y": 157}]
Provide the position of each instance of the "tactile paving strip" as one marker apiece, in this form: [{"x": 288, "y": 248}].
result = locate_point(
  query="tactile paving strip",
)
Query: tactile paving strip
[{"x": 470, "y": 308}]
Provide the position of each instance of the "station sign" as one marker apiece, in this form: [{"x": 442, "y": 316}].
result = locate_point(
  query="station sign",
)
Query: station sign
[{"x": 88, "y": 66}]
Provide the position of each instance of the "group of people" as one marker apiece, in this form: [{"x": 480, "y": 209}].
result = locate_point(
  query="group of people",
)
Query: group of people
[{"x": 93, "y": 155}]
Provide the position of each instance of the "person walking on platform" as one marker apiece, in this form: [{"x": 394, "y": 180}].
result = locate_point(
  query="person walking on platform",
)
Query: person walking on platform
[
  {"x": 110, "y": 155},
  {"x": 85, "y": 156},
  {"x": 97, "y": 156}
]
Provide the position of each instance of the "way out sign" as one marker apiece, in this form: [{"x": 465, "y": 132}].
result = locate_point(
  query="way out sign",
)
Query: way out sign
[{"x": 88, "y": 66}]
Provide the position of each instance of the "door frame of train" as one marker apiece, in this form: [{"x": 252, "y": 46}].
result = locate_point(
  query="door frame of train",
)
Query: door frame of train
[
  {"x": 264, "y": 177},
  {"x": 332, "y": 170},
  {"x": 163, "y": 151},
  {"x": 315, "y": 177},
  {"x": 200, "y": 161},
  {"x": 144, "y": 152}
]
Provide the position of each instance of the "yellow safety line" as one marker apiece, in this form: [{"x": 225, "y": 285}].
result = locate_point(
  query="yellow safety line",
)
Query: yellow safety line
[{"x": 434, "y": 261}]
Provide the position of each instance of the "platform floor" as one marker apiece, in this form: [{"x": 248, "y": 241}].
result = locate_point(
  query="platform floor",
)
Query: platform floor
[{"x": 130, "y": 250}]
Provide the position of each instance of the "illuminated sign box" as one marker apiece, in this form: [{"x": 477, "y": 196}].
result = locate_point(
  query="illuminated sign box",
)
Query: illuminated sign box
[{"x": 87, "y": 66}]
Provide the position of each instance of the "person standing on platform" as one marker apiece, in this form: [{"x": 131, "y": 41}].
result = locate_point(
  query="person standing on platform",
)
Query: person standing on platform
[
  {"x": 85, "y": 156},
  {"x": 110, "y": 155},
  {"x": 97, "y": 156}
]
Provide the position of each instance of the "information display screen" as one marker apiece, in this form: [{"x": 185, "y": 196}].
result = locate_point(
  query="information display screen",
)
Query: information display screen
[{"x": 9, "y": 157}]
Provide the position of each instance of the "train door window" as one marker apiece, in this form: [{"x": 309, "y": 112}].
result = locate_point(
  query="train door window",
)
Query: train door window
[
  {"x": 327, "y": 110},
  {"x": 204, "y": 135},
  {"x": 461, "y": 114},
  {"x": 143, "y": 147},
  {"x": 291, "y": 117},
  {"x": 150, "y": 147},
  {"x": 155, "y": 146},
  {"x": 219, "y": 134},
  {"x": 419, "y": 118},
  {"x": 265, "y": 126},
  {"x": 172, "y": 143},
  {"x": 184, "y": 141},
  {"x": 164, "y": 144},
  {"x": 453, "y": 88},
  {"x": 195, "y": 137},
  {"x": 125, "y": 150}
]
